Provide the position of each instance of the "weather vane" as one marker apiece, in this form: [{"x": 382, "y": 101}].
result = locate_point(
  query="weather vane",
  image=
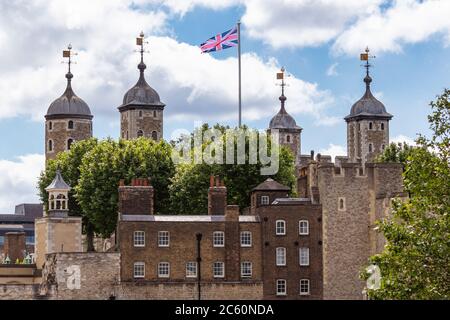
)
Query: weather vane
[
  {"x": 140, "y": 42},
  {"x": 68, "y": 54},
  {"x": 366, "y": 57},
  {"x": 281, "y": 76}
]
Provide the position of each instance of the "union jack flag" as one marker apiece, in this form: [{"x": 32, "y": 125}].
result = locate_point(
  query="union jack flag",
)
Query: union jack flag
[{"x": 221, "y": 41}]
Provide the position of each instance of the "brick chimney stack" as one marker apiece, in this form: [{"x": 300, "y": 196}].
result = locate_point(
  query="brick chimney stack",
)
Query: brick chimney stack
[
  {"x": 217, "y": 196},
  {"x": 136, "y": 198},
  {"x": 14, "y": 246}
]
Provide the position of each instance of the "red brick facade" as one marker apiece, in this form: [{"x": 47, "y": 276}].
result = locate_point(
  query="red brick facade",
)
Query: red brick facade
[{"x": 234, "y": 249}]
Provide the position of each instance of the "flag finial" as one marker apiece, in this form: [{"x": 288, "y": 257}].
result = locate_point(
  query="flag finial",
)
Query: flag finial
[
  {"x": 68, "y": 53},
  {"x": 140, "y": 41},
  {"x": 367, "y": 57},
  {"x": 282, "y": 76}
]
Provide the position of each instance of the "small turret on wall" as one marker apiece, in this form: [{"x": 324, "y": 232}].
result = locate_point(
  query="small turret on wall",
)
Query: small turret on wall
[{"x": 57, "y": 231}]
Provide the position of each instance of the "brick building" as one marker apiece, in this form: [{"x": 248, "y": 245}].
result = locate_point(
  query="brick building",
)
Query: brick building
[{"x": 277, "y": 246}]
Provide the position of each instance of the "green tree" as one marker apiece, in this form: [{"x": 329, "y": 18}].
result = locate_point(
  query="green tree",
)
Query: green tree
[
  {"x": 416, "y": 259},
  {"x": 189, "y": 187},
  {"x": 395, "y": 152},
  {"x": 107, "y": 163},
  {"x": 69, "y": 164}
]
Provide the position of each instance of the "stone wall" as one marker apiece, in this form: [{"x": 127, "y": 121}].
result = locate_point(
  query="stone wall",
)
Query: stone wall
[
  {"x": 345, "y": 230},
  {"x": 80, "y": 275},
  {"x": 60, "y": 134},
  {"x": 188, "y": 291},
  {"x": 18, "y": 291},
  {"x": 131, "y": 123}
]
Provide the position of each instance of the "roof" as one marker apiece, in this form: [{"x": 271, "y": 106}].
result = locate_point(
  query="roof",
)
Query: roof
[
  {"x": 186, "y": 218},
  {"x": 58, "y": 183},
  {"x": 25, "y": 214},
  {"x": 368, "y": 106},
  {"x": 283, "y": 120},
  {"x": 271, "y": 185},
  {"x": 141, "y": 94},
  {"x": 69, "y": 104},
  {"x": 31, "y": 210}
]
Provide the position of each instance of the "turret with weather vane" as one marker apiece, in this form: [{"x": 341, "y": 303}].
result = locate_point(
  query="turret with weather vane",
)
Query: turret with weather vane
[
  {"x": 367, "y": 123},
  {"x": 68, "y": 118},
  {"x": 289, "y": 131},
  {"x": 141, "y": 113}
]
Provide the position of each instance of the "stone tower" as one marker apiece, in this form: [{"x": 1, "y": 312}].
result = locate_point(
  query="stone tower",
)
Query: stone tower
[
  {"x": 68, "y": 119},
  {"x": 367, "y": 126},
  {"x": 57, "y": 231},
  {"x": 141, "y": 113},
  {"x": 289, "y": 132}
]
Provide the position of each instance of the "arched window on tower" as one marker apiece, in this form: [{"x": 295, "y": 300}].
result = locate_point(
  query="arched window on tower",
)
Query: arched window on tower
[
  {"x": 154, "y": 114},
  {"x": 140, "y": 133},
  {"x": 288, "y": 139},
  {"x": 382, "y": 126},
  {"x": 70, "y": 125},
  {"x": 50, "y": 145},
  {"x": 155, "y": 135},
  {"x": 370, "y": 125},
  {"x": 370, "y": 147},
  {"x": 50, "y": 126},
  {"x": 69, "y": 143},
  {"x": 140, "y": 113}
]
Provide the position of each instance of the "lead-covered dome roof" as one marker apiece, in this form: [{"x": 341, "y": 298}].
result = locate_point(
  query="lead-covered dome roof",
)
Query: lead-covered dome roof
[
  {"x": 69, "y": 104},
  {"x": 368, "y": 106}
]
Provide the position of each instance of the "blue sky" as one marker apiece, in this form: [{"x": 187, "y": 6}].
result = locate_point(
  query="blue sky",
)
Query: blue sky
[{"x": 410, "y": 39}]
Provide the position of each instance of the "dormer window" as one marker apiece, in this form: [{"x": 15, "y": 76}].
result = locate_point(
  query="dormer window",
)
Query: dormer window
[{"x": 265, "y": 200}]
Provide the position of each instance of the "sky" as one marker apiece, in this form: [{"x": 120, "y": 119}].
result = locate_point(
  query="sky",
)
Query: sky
[{"x": 318, "y": 42}]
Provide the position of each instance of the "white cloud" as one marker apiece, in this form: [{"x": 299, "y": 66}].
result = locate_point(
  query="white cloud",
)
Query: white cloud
[
  {"x": 405, "y": 22},
  {"x": 402, "y": 138},
  {"x": 384, "y": 25},
  {"x": 191, "y": 84},
  {"x": 334, "y": 150},
  {"x": 300, "y": 23},
  {"x": 332, "y": 70},
  {"x": 18, "y": 183}
]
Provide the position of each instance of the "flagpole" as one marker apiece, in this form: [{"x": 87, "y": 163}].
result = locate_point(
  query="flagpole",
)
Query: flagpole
[{"x": 239, "y": 62}]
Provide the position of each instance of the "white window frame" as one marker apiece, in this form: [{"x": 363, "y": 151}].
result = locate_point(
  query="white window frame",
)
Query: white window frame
[
  {"x": 162, "y": 266},
  {"x": 303, "y": 256},
  {"x": 246, "y": 266},
  {"x": 265, "y": 200},
  {"x": 308, "y": 285},
  {"x": 139, "y": 264},
  {"x": 280, "y": 231},
  {"x": 280, "y": 256},
  {"x": 301, "y": 229},
  {"x": 189, "y": 272},
  {"x": 277, "y": 283},
  {"x": 163, "y": 236},
  {"x": 139, "y": 238},
  {"x": 218, "y": 239},
  {"x": 216, "y": 268},
  {"x": 246, "y": 235}
]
